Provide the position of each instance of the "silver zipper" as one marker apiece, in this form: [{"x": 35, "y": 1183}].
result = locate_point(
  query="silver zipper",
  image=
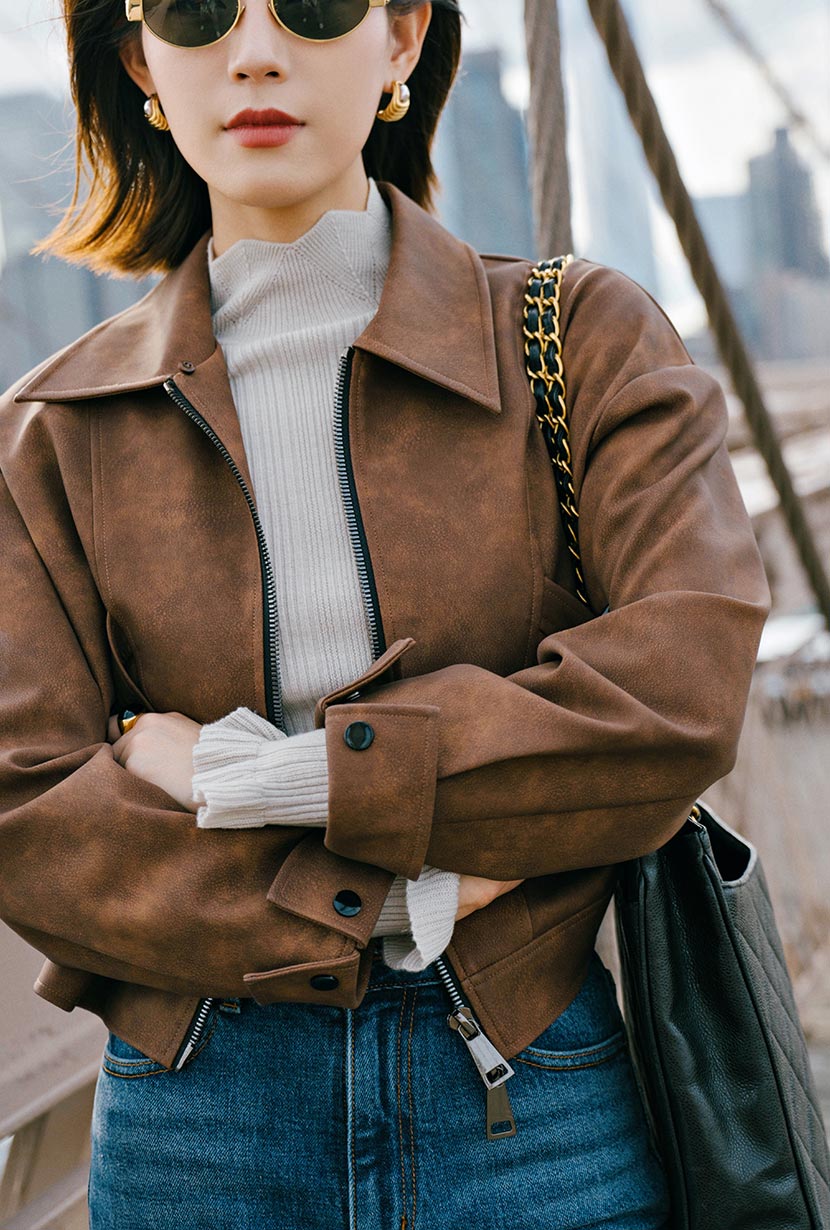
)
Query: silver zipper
[
  {"x": 273, "y": 696},
  {"x": 270, "y": 620},
  {"x": 350, "y": 504},
  {"x": 492, "y": 1067},
  {"x": 197, "y": 1028}
]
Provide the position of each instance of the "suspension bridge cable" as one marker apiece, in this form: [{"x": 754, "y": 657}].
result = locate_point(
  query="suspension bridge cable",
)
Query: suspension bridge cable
[
  {"x": 612, "y": 26},
  {"x": 796, "y": 117},
  {"x": 547, "y": 129}
]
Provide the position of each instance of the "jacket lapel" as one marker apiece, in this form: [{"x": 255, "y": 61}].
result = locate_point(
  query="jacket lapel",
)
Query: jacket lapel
[
  {"x": 435, "y": 316},
  {"x": 434, "y": 319}
]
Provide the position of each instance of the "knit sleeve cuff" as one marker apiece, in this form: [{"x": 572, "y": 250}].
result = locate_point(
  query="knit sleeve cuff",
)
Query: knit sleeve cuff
[
  {"x": 394, "y": 914},
  {"x": 248, "y": 773},
  {"x": 432, "y": 903}
]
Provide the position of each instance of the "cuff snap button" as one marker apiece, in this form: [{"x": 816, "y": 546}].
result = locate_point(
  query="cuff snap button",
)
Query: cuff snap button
[
  {"x": 347, "y": 902},
  {"x": 358, "y": 735},
  {"x": 324, "y": 982}
]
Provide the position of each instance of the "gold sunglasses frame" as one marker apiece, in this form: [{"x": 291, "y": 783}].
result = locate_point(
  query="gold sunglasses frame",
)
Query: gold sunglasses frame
[{"x": 135, "y": 12}]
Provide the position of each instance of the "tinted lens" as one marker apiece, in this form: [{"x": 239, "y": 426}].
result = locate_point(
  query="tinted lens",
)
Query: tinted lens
[
  {"x": 321, "y": 18},
  {"x": 190, "y": 23}
]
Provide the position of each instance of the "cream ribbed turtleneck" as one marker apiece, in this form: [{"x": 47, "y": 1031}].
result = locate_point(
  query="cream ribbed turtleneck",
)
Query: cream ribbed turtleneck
[{"x": 283, "y": 314}]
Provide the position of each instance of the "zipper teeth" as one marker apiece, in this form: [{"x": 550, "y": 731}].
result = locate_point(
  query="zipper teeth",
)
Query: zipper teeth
[
  {"x": 201, "y": 1017},
  {"x": 349, "y": 504},
  {"x": 447, "y": 979},
  {"x": 275, "y": 702},
  {"x": 202, "y": 1013},
  {"x": 273, "y": 696},
  {"x": 275, "y": 699}
]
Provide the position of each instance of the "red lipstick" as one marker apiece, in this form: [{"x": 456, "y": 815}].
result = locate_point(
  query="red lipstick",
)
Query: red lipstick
[{"x": 263, "y": 128}]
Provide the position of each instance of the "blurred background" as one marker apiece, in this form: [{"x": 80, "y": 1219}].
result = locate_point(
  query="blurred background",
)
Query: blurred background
[{"x": 743, "y": 91}]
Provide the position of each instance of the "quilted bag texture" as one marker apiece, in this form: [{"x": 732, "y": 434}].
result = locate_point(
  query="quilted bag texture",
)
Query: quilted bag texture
[{"x": 715, "y": 1036}]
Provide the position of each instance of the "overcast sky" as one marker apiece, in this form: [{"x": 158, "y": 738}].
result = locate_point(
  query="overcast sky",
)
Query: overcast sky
[{"x": 717, "y": 109}]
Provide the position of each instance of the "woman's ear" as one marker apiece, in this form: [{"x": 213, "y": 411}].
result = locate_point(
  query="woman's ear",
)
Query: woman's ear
[
  {"x": 131, "y": 54},
  {"x": 408, "y": 32}
]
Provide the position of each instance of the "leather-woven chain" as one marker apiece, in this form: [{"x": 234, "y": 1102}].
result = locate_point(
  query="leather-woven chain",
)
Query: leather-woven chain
[
  {"x": 541, "y": 331},
  {"x": 543, "y": 352}
]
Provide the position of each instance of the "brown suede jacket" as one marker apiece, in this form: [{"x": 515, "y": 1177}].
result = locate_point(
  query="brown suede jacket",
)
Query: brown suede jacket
[{"x": 511, "y": 732}]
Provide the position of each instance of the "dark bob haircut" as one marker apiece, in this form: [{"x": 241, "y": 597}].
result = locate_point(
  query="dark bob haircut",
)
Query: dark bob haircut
[{"x": 146, "y": 207}]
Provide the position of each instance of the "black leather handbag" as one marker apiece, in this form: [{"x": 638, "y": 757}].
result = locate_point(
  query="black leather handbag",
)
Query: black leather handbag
[{"x": 713, "y": 1029}]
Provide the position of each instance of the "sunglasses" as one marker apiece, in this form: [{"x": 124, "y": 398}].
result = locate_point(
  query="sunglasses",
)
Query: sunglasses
[{"x": 198, "y": 23}]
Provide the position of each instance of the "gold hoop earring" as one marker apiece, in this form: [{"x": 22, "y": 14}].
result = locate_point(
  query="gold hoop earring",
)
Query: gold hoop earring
[
  {"x": 155, "y": 115},
  {"x": 398, "y": 107}
]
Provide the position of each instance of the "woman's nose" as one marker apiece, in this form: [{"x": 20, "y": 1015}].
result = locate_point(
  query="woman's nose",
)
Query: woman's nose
[{"x": 257, "y": 45}]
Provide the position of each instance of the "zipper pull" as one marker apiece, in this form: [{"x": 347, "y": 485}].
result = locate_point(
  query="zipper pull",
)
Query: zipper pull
[
  {"x": 500, "y": 1121},
  {"x": 494, "y": 1071},
  {"x": 493, "y": 1067}
]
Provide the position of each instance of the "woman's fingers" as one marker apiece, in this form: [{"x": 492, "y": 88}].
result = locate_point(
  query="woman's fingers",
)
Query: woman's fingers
[
  {"x": 474, "y": 892},
  {"x": 159, "y": 749}
]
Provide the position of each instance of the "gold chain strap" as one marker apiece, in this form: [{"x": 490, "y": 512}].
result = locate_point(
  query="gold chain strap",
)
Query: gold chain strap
[{"x": 543, "y": 352}]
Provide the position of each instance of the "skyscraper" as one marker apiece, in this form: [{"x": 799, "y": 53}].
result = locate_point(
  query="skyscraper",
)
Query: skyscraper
[
  {"x": 785, "y": 226},
  {"x": 481, "y": 157},
  {"x": 768, "y": 247},
  {"x": 609, "y": 172},
  {"x": 45, "y": 303}
]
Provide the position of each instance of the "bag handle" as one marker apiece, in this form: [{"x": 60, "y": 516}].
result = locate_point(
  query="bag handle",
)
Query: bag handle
[{"x": 543, "y": 352}]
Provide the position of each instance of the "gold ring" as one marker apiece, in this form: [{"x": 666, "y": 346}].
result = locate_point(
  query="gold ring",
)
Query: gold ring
[{"x": 125, "y": 724}]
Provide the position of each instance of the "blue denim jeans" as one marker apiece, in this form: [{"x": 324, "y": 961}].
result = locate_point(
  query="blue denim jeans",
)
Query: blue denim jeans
[{"x": 310, "y": 1117}]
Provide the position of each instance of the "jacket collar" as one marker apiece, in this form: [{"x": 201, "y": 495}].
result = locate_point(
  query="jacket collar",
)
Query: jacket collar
[{"x": 434, "y": 319}]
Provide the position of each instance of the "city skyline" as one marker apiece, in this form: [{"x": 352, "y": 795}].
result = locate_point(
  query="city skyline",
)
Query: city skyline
[{"x": 716, "y": 130}]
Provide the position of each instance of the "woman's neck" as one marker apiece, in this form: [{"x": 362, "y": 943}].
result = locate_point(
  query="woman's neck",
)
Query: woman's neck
[
  {"x": 232, "y": 221},
  {"x": 334, "y": 270}
]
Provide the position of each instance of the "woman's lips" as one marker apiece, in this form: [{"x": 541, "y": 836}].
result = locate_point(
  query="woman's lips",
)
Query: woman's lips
[
  {"x": 253, "y": 135},
  {"x": 266, "y": 127}
]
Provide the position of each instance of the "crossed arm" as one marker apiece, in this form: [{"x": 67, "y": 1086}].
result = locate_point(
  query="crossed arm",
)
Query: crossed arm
[
  {"x": 588, "y": 757},
  {"x": 247, "y": 773}
]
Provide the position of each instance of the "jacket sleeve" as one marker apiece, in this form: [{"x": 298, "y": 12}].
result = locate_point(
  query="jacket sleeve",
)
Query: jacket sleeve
[
  {"x": 101, "y": 870},
  {"x": 595, "y": 754},
  {"x": 249, "y": 773}
]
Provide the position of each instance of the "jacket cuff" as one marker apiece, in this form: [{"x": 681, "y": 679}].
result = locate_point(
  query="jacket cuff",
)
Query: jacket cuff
[
  {"x": 336, "y": 892},
  {"x": 249, "y": 773},
  {"x": 382, "y": 776},
  {"x": 432, "y": 902}
]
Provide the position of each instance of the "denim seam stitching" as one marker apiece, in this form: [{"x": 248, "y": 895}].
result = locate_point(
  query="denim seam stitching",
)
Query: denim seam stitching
[
  {"x": 409, "y": 1093},
  {"x": 574, "y": 1067},
  {"x": 398, "y": 1100},
  {"x": 153, "y": 1071},
  {"x": 587, "y": 1051}
]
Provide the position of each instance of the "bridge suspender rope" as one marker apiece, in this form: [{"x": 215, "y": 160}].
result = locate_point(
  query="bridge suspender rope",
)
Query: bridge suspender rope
[
  {"x": 611, "y": 24},
  {"x": 551, "y": 196},
  {"x": 795, "y": 115},
  {"x": 547, "y": 129}
]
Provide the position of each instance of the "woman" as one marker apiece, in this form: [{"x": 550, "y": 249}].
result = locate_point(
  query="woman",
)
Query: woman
[{"x": 309, "y": 586}]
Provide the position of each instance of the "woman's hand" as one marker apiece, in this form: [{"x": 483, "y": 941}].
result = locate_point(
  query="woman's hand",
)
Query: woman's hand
[
  {"x": 474, "y": 892},
  {"x": 159, "y": 748}
]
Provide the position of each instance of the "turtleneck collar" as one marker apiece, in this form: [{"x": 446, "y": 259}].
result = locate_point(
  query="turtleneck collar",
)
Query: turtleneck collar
[{"x": 346, "y": 250}]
